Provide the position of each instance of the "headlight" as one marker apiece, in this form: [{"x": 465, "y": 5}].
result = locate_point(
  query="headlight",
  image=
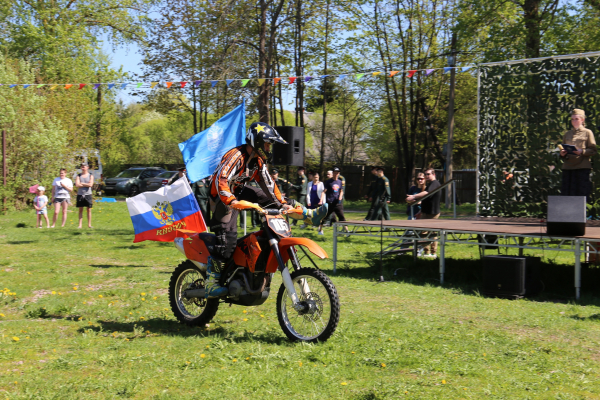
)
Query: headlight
[{"x": 122, "y": 184}]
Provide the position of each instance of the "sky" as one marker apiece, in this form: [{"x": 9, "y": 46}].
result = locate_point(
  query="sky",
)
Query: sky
[{"x": 129, "y": 58}]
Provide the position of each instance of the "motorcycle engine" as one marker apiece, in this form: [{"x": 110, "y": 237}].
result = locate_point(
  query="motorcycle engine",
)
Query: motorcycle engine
[{"x": 236, "y": 288}]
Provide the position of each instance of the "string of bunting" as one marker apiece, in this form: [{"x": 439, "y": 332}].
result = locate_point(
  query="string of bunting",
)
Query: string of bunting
[{"x": 261, "y": 81}]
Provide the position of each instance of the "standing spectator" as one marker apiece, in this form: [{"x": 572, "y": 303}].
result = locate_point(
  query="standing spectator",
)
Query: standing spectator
[
  {"x": 315, "y": 196},
  {"x": 300, "y": 188},
  {"x": 84, "y": 183},
  {"x": 282, "y": 184},
  {"x": 332, "y": 217},
  {"x": 430, "y": 207},
  {"x": 371, "y": 193},
  {"x": 417, "y": 188},
  {"x": 382, "y": 197},
  {"x": 201, "y": 190},
  {"x": 61, "y": 197},
  {"x": 40, "y": 202},
  {"x": 333, "y": 196},
  {"x": 180, "y": 174}
]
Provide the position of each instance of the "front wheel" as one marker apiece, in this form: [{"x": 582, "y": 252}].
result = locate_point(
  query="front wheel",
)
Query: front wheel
[
  {"x": 193, "y": 311},
  {"x": 321, "y": 314}
]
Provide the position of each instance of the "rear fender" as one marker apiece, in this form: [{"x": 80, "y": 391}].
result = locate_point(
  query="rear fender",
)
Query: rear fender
[{"x": 285, "y": 244}]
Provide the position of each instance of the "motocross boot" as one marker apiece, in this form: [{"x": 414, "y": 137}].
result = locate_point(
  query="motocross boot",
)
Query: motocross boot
[
  {"x": 213, "y": 289},
  {"x": 310, "y": 216}
]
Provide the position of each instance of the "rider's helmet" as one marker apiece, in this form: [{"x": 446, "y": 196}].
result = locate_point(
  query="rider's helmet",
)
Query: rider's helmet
[{"x": 261, "y": 137}]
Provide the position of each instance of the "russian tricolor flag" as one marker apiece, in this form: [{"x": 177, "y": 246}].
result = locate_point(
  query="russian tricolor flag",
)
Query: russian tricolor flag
[{"x": 158, "y": 215}]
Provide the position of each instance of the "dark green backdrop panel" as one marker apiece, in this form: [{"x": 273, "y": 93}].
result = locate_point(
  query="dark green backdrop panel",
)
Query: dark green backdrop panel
[{"x": 524, "y": 110}]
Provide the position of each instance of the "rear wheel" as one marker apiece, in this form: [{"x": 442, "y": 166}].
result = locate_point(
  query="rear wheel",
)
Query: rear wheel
[
  {"x": 194, "y": 311},
  {"x": 321, "y": 314}
]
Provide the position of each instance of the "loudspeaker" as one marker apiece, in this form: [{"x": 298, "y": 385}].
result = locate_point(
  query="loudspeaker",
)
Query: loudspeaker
[
  {"x": 566, "y": 216},
  {"x": 511, "y": 277},
  {"x": 293, "y": 152}
]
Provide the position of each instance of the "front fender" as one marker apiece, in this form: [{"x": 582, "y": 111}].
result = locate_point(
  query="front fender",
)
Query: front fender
[{"x": 285, "y": 244}]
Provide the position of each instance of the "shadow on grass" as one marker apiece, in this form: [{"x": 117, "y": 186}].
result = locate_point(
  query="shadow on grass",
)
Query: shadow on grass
[
  {"x": 593, "y": 317},
  {"x": 118, "y": 266},
  {"x": 21, "y": 241},
  {"x": 467, "y": 276},
  {"x": 169, "y": 327}
]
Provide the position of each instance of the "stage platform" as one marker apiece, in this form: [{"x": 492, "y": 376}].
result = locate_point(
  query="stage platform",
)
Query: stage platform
[{"x": 485, "y": 232}]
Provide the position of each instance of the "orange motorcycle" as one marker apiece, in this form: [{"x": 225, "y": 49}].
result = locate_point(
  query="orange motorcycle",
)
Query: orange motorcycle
[{"x": 308, "y": 306}]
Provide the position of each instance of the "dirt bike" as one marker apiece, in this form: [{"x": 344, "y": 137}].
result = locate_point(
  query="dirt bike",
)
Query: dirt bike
[{"x": 308, "y": 306}]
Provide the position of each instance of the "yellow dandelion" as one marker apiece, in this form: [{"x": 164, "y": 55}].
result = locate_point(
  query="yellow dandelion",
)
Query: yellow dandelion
[
  {"x": 443, "y": 381},
  {"x": 127, "y": 340},
  {"x": 245, "y": 319},
  {"x": 208, "y": 347},
  {"x": 2, "y": 315},
  {"x": 16, "y": 339},
  {"x": 102, "y": 239},
  {"x": 344, "y": 383},
  {"x": 202, "y": 355},
  {"x": 29, "y": 273},
  {"x": 234, "y": 360},
  {"x": 188, "y": 362},
  {"x": 166, "y": 309},
  {"x": 353, "y": 353},
  {"x": 80, "y": 318},
  {"x": 59, "y": 293},
  {"x": 262, "y": 316},
  {"x": 247, "y": 358},
  {"x": 74, "y": 287},
  {"x": 143, "y": 299},
  {"x": 154, "y": 298},
  {"x": 382, "y": 365},
  {"x": 464, "y": 388},
  {"x": 85, "y": 302},
  {"x": 147, "y": 332},
  {"x": 300, "y": 363},
  {"x": 143, "y": 294},
  {"x": 142, "y": 318},
  {"x": 100, "y": 296},
  {"x": 53, "y": 292},
  {"x": 244, "y": 311},
  {"x": 484, "y": 354},
  {"x": 130, "y": 313},
  {"x": 89, "y": 322}
]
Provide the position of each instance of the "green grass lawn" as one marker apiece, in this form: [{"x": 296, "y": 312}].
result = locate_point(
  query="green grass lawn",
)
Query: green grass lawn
[{"x": 85, "y": 314}]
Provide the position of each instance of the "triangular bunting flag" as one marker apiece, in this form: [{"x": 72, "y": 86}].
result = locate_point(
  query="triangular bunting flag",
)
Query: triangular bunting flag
[
  {"x": 358, "y": 76},
  {"x": 169, "y": 84},
  {"x": 81, "y": 85},
  {"x": 183, "y": 84},
  {"x": 292, "y": 79},
  {"x": 40, "y": 85},
  {"x": 392, "y": 73},
  {"x": 324, "y": 76},
  {"x": 276, "y": 81},
  {"x": 411, "y": 73},
  {"x": 307, "y": 78},
  {"x": 376, "y": 73},
  {"x": 152, "y": 84},
  {"x": 124, "y": 85},
  {"x": 68, "y": 86},
  {"x": 26, "y": 86},
  {"x": 261, "y": 81},
  {"x": 245, "y": 82},
  {"x": 341, "y": 77},
  {"x": 447, "y": 69},
  {"x": 111, "y": 85},
  {"x": 53, "y": 87},
  {"x": 213, "y": 83},
  {"x": 96, "y": 86},
  {"x": 197, "y": 83},
  {"x": 12, "y": 86},
  {"x": 429, "y": 71},
  {"x": 139, "y": 85},
  {"x": 228, "y": 81},
  {"x": 465, "y": 69}
]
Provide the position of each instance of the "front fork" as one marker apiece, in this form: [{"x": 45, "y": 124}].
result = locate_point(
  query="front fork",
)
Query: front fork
[{"x": 285, "y": 273}]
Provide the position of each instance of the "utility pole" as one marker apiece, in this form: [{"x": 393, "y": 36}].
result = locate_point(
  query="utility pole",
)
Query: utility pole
[{"x": 450, "y": 145}]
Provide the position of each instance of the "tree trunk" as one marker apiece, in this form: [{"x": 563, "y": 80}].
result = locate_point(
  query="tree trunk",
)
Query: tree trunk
[{"x": 322, "y": 155}]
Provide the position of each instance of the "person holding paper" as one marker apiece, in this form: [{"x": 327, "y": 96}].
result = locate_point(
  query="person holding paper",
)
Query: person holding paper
[{"x": 576, "y": 167}]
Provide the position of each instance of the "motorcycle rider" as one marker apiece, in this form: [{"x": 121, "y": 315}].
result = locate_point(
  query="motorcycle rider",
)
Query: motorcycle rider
[{"x": 228, "y": 186}]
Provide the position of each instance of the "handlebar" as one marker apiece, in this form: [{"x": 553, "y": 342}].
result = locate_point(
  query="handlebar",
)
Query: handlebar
[{"x": 245, "y": 205}]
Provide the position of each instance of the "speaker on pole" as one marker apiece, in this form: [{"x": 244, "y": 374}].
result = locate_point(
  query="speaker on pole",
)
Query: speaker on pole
[
  {"x": 566, "y": 216},
  {"x": 293, "y": 152}
]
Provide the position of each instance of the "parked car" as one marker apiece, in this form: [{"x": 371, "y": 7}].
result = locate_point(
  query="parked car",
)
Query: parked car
[
  {"x": 132, "y": 181},
  {"x": 164, "y": 179}
]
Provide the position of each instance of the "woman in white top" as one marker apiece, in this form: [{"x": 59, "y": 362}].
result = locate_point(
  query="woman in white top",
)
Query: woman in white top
[
  {"x": 314, "y": 195},
  {"x": 61, "y": 197}
]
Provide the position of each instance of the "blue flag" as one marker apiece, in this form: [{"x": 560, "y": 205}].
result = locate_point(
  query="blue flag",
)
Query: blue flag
[{"x": 203, "y": 151}]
